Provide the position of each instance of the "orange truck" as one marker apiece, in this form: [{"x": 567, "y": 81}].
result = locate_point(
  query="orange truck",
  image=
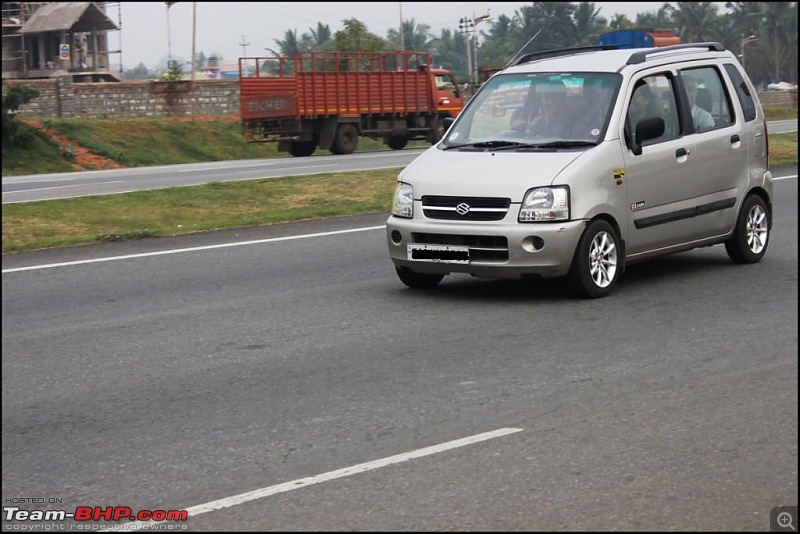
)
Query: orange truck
[{"x": 328, "y": 100}]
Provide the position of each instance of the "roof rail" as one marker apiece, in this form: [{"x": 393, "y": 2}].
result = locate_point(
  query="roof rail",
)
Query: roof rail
[
  {"x": 641, "y": 56},
  {"x": 563, "y": 52}
]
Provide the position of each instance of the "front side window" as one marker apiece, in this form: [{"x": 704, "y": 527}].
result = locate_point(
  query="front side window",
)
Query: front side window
[
  {"x": 446, "y": 83},
  {"x": 538, "y": 108},
  {"x": 653, "y": 97}
]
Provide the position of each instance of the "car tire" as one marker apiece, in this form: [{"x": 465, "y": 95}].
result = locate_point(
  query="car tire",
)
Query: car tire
[
  {"x": 750, "y": 238},
  {"x": 418, "y": 280},
  {"x": 597, "y": 263}
]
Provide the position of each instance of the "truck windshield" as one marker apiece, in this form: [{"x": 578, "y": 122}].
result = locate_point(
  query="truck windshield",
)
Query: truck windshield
[{"x": 538, "y": 108}]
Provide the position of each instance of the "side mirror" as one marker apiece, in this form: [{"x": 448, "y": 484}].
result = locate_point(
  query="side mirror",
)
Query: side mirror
[{"x": 647, "y": 129}]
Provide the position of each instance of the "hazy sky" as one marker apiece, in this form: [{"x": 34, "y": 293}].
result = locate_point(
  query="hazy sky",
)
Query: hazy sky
[{"x": 222, "y": 27}]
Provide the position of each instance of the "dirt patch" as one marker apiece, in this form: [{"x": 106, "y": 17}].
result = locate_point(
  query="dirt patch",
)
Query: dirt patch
[{"x": 85, "y": 159}]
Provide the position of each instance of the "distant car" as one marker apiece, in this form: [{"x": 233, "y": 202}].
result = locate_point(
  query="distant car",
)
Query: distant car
[{"x": 651, "y": 151}]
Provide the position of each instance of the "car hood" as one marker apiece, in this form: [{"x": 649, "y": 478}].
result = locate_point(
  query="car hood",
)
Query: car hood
[{"x": 503, "y": 173}]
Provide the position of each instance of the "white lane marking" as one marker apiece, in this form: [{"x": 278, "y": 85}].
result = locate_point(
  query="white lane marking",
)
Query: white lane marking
[
  {"x": 26, "y": 180},
  {"x": 339, "y": 473},
  {"x": 233, "y": 169},
  {"x": 61, "y": 187},
  {"x": 224, "y": 245},
  {"x": 191, "y": 249}
]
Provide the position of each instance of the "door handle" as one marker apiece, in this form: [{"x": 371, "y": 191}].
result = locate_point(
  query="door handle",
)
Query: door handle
[
  {"x": 681, "y": 152},
  {"x": 735, "y": 138}
]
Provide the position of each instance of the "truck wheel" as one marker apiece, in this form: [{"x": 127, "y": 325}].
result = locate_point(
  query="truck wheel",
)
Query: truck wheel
[
  {"x": 436, "y": 132},
  {"x": 302, "y": 148},
  {"x": 397, "y": 142},
  {"x": 418, "y": 280},
  {"x": 346, "y": 139}
]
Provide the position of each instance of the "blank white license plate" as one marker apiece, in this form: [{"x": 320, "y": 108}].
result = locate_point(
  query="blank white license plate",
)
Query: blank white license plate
[{"x": 439, "y": 253}]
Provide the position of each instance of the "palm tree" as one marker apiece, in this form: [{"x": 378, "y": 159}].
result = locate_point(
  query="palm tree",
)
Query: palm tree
[
  {"x": 415, "y": 36},
  {"x": 658, "y": 20},
  {"x": 497, "y": 47},
  {"x": 588, "y": 24},
  {"x": 289, "y": 46},
  {"x": 321, "y": 35},
  {"x": 450, "y": 50},
  {"x": 777, "y": 17},
  {"x": 620, "y": 22},
  {"x": 695, "y": 21}
]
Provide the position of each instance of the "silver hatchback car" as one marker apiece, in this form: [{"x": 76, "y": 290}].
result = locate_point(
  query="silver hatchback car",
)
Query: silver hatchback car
[{"x": 574, "y": 163}]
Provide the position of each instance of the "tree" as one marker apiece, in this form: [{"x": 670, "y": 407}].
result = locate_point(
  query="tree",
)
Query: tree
[
  {"x": 620, "y": 22},
  {"x": 15, "y": 96},
  {"x": 658, "y": 20},
  {"x": 289, "y": 46},
  {"x": 450, "y": 51},
  {"x": 588, "y": 23},
  {"x": 139, "y": 72},
  {"x": 498, "y": 46},
  {"x": 416, "y": 37},
  {"x": 355, "y": 37},
  {"x": 695, "y": 21}
]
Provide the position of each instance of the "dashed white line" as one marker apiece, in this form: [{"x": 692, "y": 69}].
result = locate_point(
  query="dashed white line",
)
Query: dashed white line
[{"x": 299, "y": 483}]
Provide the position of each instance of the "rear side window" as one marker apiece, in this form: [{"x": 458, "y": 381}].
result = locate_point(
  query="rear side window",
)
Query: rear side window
[
  {"x": 709, "y": 101},
  {"x": 742, "y": 92}
]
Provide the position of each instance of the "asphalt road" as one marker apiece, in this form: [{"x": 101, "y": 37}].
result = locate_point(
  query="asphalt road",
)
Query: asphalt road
[
  {"x": 282, "y": 379},
  {"x": 75, "y": 184}
]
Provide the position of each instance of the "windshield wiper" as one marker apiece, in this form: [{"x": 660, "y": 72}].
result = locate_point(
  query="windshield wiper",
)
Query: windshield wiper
[
  {"x": 496, "y": 143},
  {"x": 566, "y": 144}
]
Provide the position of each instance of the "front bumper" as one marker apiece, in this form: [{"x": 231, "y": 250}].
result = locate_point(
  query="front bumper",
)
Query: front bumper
[{"x": 506, "y": 250}]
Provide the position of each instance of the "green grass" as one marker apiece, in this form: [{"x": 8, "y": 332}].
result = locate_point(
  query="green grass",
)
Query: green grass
[
  {"x": 177, "y": 210},
  {"x": 141, "y": 142},
  {"x": 782, "y": 149}
]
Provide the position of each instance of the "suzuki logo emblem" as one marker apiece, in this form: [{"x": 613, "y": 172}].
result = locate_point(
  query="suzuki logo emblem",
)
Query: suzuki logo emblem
[{"x": 462, "y": 209}]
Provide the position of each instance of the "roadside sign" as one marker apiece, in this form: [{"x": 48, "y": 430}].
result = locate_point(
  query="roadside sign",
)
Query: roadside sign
[{"x": 63, "y": 51}]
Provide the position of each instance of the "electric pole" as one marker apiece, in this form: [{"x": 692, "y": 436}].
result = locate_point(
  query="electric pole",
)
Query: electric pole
[
  {"x": 244, "y": 44},
  {"x": 467, "y": 26}
]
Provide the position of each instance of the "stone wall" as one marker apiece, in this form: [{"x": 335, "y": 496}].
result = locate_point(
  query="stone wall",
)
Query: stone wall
[
  {"x": 59, "y": 97},
  {"x": 778, "y": 98}
]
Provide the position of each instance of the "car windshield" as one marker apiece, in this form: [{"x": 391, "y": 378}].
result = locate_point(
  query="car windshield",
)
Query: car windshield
[{"x": 537, "y": 110}]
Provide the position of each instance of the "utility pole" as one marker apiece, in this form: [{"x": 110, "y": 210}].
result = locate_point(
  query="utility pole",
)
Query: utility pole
[
  {"x": 746, "y": 41},
  {"x": 194, "y": 34},
  {"x": 477, "y": 21},
  {"x": 467, "y": 26},
  {"x": 244, "y": 44},
  {"x": 169, "y": 39},
  {"x": 402, "y": 38}
]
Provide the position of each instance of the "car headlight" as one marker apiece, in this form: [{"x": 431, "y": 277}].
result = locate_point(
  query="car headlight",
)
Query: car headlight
[
  {"x": 543, "y": 204},
  {"x": 403, "y": 204}
]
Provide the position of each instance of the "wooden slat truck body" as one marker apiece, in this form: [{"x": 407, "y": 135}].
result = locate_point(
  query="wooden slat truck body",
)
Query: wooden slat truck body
[{"x": 329, "y": 99}]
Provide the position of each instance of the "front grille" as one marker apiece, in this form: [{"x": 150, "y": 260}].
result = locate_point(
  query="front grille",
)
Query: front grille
[
  {"x": 465, "y": 208},
  {"x": 482, "y": 248}
]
